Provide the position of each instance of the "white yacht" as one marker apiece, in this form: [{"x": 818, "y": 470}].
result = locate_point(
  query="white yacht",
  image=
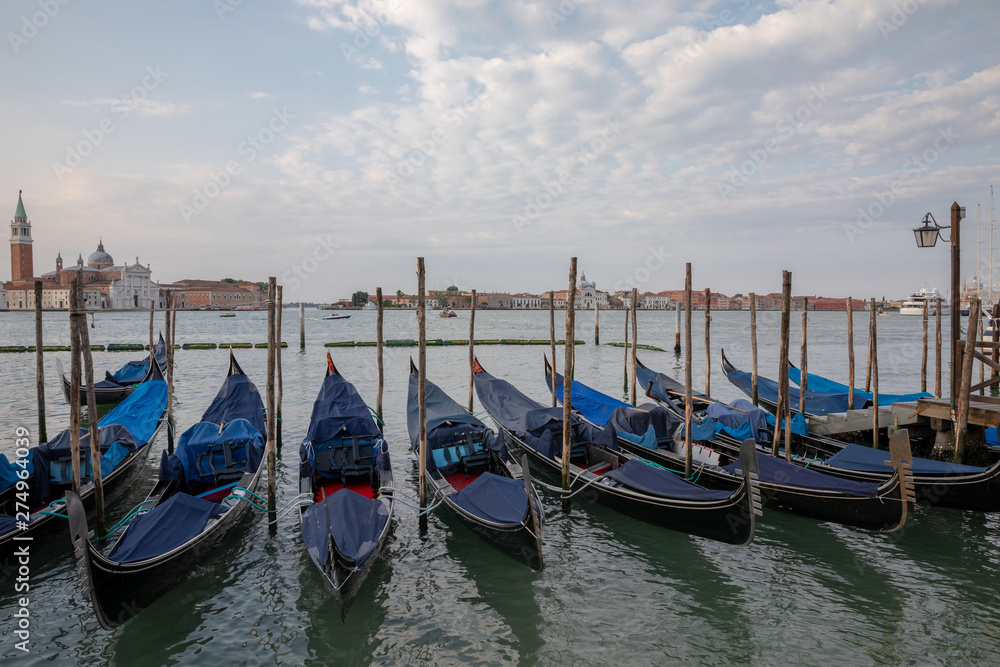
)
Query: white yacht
[{"x": 915, "y": 304}]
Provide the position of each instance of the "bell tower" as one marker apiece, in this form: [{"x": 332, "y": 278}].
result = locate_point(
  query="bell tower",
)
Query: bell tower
[{"x": 21, "y": 264}]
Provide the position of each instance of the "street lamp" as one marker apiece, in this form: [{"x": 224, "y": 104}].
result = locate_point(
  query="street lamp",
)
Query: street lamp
[{"x": 926, "y": 237}]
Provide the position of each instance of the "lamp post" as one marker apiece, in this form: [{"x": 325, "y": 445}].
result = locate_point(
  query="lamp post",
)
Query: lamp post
[{"x": 926, "y": 237}]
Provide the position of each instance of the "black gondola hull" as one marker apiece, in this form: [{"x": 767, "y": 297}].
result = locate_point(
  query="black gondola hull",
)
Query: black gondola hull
[
  {"x": 45, "y": 528},
  {"x": 119, "y": 591},
  {"x": 730, "y": 521}
]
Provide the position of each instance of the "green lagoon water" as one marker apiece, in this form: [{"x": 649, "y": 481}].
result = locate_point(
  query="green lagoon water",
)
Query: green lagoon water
[{"x": 614, "y": 591}]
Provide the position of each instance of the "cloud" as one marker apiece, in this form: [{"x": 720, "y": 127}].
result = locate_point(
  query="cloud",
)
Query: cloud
[{"x": 140, "y": 107}]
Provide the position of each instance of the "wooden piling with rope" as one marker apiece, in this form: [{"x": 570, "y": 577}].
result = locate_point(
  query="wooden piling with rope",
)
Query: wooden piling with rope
[
  {"x": 272, "y": 464},
  {"x": 688, "y": 403},
  {"x": 39, "y": 364},
  {"x": 96, "y": 475},
  {"x": 379, "y": 344},
  {"x": 850, "y": 354},
  {"x": 635, "y": 339},
  {"x": 422, "y": 389},
  {"x": 567, "y": 425}
]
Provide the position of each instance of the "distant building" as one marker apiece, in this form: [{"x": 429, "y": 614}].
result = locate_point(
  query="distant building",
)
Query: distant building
[{"x": 195, "y": 294}]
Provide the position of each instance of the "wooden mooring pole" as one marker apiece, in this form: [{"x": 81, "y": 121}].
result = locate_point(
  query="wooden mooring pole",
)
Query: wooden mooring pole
[
  {"x": 279, "y": 309},
  {"x": 168, "y": 326},
  {"x": 708, "y": 342},
  {"x": 783, "y": 413},
  {"x": 39, "y": 364},
  {"x": 422, "y": 389},
  {"x": 688, "y": 404},
  {"x": 923, "y": 356},
  {"x": 96, "y": 475},
  {"x": 753, "y": 348},
  {"x": 873, "y": 364},
  {"x": 272, "y": 464},
  {"x": 597, "y": 321},
  {"x": 567, "y": 425},
  {"x": 868, "y": 371},
  {"x": 965, "y": 398},
  {"x": 74, "y": 385},
  {"x": 995, "y": 327},
  {"x": 302, "y": 327},
  {"x": 625, "y": 360},
  {"x": 804, "y": 359},
  {"x": 635, "y": 338},
  {"x": 472, "y": 349},
  {"x": 937, "y": 348},
  {"x": 552, "y": 340},
  {"x": 379, "y": 342},
  {"x": 677, "y": 328},
  {"x": 850, "y": 353},
  {"x": 152, "y": 313}
]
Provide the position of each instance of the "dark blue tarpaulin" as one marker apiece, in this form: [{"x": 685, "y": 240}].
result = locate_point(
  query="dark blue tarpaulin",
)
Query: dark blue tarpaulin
[
  {"x": 539, "y": 427},
  {"x": 9, "y": 470},
  {"x": 54, "y": 457},
  {"x": 664, "y": 388},
  {"x": 867, "y": 459},
  {"x": 658, "y": 482},
  {"x": 447, "y": 423},
  {"x": 339, "y": 410},
  {"x": 164, "y": 528},
  {"x": 817, "y": 403},
  {"x": 135, "y": 371},
  {"x": 140, "y": 412},
  {"x": 354, "y": 521},
  {"x": 776, "y": 471},
  {"x": 601, "y": 410},
  {"x": 494, "y": 498},
  {"x": 237, "y": 399},
  {"x": 206, "y": 450},
  {"x": 861, "y": 398}
]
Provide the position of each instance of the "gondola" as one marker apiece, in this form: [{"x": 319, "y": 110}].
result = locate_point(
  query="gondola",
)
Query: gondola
[
  {"x": 647, "y": 430},
  {"x": 116, "y": 386},
  {"x": 822, "y": 384},
  {"x": 622, "y": 481},
  {"x": 936, "y": 483},
  {"x": 470, "y": 471},
  {"x": 125, "y": 436},
  {"x": 345, "y": 469},
  {"x": 184, "y": 518}
]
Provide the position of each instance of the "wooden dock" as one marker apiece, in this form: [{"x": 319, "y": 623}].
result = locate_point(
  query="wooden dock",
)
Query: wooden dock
[
  {"x": 901, "y": 414},
  {"x": 983, "y": 410}
]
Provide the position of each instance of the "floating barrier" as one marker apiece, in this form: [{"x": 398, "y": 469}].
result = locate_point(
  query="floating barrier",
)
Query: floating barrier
[
  {"x": 638, "y": 347},
  {"x": 126, "y": 347},
  {"x": 199, "y": 346},
  {"x": 455, "y": 342},
  {"x": 343, "y": 343},
  {"x": 263, "y": 346},
  {"x": 400, "y": 343},
  {"x": 235, "y": 346},
  {"x": 13, "y": 348},
  {"x": 438, "y": 342}
]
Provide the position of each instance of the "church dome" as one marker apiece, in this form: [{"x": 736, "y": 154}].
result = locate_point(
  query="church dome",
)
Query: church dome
[{"x": 100, "y": 258}]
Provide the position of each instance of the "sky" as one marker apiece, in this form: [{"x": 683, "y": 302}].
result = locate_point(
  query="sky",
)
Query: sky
[{"x": 330, "y": 143}]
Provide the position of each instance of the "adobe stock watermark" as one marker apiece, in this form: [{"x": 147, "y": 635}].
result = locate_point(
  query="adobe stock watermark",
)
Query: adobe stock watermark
[
  {"x": 120, "y": 110},
  {"x": 901, "y": 13},
  {"x": 696, "y": 47},
  {"x": 740, "y": 175},
  {"x": 254, "y": 144},
  {"x": 418, "y": 156},
  {"x": 223, "y": 7},
  {"x": 565, "y": 9},
  {"x": 323, "y": 250},
  {"x": 915, "y": 168},
  {"x": 583, "y": 157},
  {"x": 31, "y": 25},
  {"x": 656, "y": 259},
  {"x": 372, "y": 28}
]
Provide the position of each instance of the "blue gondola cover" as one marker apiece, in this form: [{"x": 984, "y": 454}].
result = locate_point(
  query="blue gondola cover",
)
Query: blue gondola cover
[
  {"x": 54, "y": 457},
  {"x": 494, "y": 498},
  {"x": 867, "y": 459},
  {"x": 237, "y": 399},
  {"x": 140, "y": 412},
  {"x": 352, "y": 520},
  {"x": 658, "y": 482},
  {"x": 165, "y": 527},
  {"x": 820, "y": 384},
  {"x": 205, "y": 450},
  {"x": 777, "y": 471},
  {"x": 339, "y": 408},
  {"x": 135, "y": 371}
]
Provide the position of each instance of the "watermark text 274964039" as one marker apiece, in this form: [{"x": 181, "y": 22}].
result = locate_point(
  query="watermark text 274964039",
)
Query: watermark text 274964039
[{"x": 22, "y": 553}]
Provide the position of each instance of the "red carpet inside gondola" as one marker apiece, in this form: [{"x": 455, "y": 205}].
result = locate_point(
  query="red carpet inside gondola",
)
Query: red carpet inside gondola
[
  {"x": 460, "y": 481},
  {"x": 360, "y": 486}
]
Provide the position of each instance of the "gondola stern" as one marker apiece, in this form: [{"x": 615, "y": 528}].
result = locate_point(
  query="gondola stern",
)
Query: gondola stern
[
  {"x": 751, "y": 472},
  {"x": 79, "y": 533},
  {"x": 532, "y": 554},
  {"x": 901, "y": 460}
]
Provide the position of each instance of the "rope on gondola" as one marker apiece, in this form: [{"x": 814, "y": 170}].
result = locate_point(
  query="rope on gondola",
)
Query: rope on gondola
[
  {"x": 410, "y": 501},
  {"x": 300, "y": 500}
]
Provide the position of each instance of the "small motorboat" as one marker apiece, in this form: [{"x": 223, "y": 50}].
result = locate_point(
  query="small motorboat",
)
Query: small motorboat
[
  {"x": 227, "y": 314},
  {"x": 337, "y": 316},
  {"x": 448, "y": 312}
]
